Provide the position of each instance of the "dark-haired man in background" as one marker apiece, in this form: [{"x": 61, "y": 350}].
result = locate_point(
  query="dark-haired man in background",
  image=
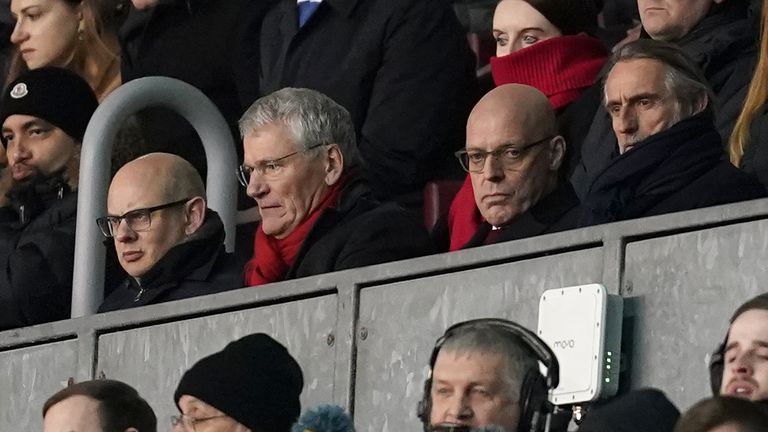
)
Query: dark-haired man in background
[
  {"x": 43, "y": 114},
  {"x": 718, "y": 35},
  {"x": 671, "y": 156},
  {"x": 98, "y": 406}
]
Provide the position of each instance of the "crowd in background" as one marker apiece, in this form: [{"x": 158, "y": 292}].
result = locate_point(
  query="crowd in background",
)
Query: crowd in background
[
  {"x": 562, "y": 114},
  {"x": 367, "y": 131}
]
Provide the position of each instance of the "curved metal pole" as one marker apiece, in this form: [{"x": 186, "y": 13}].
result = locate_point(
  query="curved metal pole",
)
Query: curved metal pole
[{"x": 193, "y": 105}]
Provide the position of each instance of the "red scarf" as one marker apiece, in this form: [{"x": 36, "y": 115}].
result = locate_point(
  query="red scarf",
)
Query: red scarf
[
  {"x": 560, "y": 67},
  {"x": 273, "y": 257},
  {"x": 463, "y": 217}
]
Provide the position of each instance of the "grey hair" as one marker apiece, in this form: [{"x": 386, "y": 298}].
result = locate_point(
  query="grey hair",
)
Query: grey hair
[
  {"x": 487, "y": 338},
  {"x": 682, "y": 77},
  {"x": 312, "y": 118}
]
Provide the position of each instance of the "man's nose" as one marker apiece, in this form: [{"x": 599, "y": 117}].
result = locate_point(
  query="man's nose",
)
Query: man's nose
[
  {"x": 494, "y": 168},
  {"x": 257, "y": 187},
  {"x": 459, "y": 409},
  {"x": 742, "y": 365},
  {"x": 18, "y": 150},
  {"x": 123, "y": 233},
  {"x": 626, "y": 122}
]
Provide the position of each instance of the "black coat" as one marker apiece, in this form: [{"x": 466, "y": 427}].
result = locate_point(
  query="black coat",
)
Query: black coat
[
  {"x": 37, "y": 248},
  {"x": 401, "y": 67},
  {"x": 723, "y": 44},
  {"x": 205, "y": 43},
  {"x": 681, "y": 168},
  {"x": 642, "y": 410},
  {"x": 359, "y": 232},
  {"x": 193, "y": 268},
  {"x": 755, "y": 159},
  {"x": 555, "y": 212}
]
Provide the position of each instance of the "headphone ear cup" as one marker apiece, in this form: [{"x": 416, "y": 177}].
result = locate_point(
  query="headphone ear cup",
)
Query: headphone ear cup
[
  {"x": 716, "y": 366},
  {"x": 424, "y": 408},
  {"x": 533, "y": 400}
]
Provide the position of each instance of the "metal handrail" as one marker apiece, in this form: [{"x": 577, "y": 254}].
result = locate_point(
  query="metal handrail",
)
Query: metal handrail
[{"x": 202, "y": 114}]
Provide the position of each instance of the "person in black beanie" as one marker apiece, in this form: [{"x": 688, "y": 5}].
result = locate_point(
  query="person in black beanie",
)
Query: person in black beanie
[
  {"x": 253, "y": 384},
  {"x": 44, "y": 114}
]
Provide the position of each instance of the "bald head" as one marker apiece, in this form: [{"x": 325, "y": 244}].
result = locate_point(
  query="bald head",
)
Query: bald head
[
  {"x": 168, "y": 175},
  {"x": 524, "y": 106},
  {"x": 515, "y": 151},
  {"x": 171, "y": 193}
]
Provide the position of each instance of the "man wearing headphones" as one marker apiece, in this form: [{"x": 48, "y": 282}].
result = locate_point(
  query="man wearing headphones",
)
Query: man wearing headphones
[
  {"x": 486, "y": 373},
  {"x": 740, "y": 365}
]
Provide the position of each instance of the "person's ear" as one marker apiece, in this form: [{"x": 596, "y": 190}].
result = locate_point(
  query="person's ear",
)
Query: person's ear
[
  {"x": 334, "y": 164},
  {"x": 194, "y": 215},
  {"x": 557, "y": 152},
  {"x": 700, "y": 104}
]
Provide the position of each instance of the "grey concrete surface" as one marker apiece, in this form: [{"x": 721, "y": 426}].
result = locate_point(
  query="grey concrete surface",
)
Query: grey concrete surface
[
  {"x": 682, "y": 290},
  {"x": 403, "y": 320},
  {"x": 28, "y": 376},
  {"x": 154, "y": 358},
  {"x": 681, "y": 274}
]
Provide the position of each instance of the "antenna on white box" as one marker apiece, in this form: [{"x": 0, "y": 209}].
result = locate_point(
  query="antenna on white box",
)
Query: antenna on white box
[{"x": 582, "y": 325}]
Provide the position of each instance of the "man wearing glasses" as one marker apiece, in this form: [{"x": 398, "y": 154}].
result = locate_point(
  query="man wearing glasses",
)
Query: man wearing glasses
[
  {"x": 513, "y": 156},
  {"x": 252, "y": 385},
  {"x": 303, "y": 169},
  {"x": 166, "y": 239}
]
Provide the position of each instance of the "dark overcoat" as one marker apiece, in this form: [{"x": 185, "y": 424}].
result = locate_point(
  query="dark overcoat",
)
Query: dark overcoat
[{"x": 402, "y": 68}]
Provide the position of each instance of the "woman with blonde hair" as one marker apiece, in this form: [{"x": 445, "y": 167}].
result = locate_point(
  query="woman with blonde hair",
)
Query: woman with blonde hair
[
  {"x": 79, "y": 35},
  {"x": 746, "y": 148}
]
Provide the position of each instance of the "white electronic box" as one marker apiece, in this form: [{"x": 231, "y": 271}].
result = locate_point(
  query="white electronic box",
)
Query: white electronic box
[{"x": 582, "y": 325}]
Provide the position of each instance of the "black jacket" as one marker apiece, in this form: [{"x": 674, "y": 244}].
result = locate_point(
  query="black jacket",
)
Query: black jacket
[
  {"x": 555, "y": 212},
  {"x": 402, "y": 68},
  {"x": 205, "y": 43},
  {"x": 359, "y": 232},
  {"x": 642, "y": 410},
  {"x": 681, "y": 168},
  {"x": 723, "y": 44},
  {"x": 195, "y": 267},
  {"x": 755, "y": 159},
  {"x": 37, "y": 247}
]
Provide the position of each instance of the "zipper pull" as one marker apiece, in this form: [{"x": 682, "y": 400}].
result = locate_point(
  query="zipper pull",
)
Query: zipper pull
[{"x": 138, "y": 296}]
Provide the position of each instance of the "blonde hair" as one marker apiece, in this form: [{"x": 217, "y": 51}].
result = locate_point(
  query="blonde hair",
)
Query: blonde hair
[
  {"x": 97, "y": 54},
  {"x": 756, "y": 98}
]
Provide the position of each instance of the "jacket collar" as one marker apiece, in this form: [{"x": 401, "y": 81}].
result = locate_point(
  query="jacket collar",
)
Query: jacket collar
[
  {"x": 29, "y": 200},
  {"x": 192, "y": 259},
  {"x": 344, "y": 6},
  {"x": 355, "y": 198},
  {"x": 536, "y": 221},
  {"x": 290, "y": 16}
]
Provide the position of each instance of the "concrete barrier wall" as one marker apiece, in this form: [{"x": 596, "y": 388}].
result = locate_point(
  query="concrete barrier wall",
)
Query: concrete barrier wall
[{"x": 363, "y": 336}]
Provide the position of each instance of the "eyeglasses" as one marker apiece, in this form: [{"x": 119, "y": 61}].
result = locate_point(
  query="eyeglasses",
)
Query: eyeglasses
[
  {"x": 511, "y": 156},
  {"x": 188, "y": 423},
  {"x": 268, "y": 168},
  {"x": 137, "y": 220}
]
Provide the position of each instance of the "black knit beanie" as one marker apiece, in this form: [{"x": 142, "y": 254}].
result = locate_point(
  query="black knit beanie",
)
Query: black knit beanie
[
  {"x": 58, "y": 96},
  {"x": 254, "y": 380}
]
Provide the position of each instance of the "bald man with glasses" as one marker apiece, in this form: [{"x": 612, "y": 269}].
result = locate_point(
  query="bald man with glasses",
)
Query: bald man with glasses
[
  {"x": 167, "y": 240},
  {"x": 513, "y": 188}
]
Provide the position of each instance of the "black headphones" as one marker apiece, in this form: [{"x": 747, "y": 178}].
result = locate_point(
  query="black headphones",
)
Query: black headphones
[
  {"x": 716, "y": 367},
  {"x": 534, "y": 405}
]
